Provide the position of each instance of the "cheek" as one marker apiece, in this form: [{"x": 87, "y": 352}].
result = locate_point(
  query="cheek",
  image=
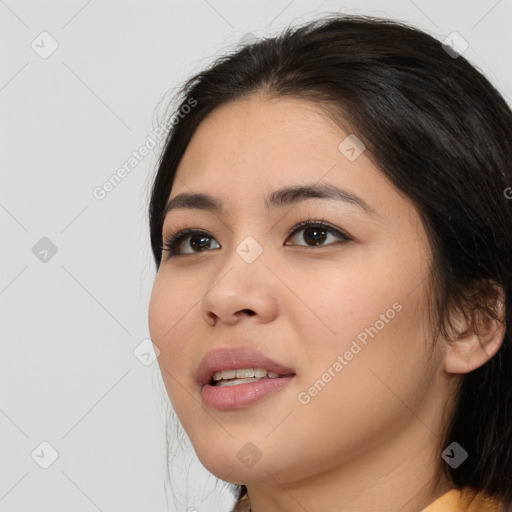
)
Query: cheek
[
  {"x": 336, "y": 304},
  {"x": 368, "y": 335},
  {"x": 370, "y": 295},
  {"x": 172, "y": 308},
  {"x": 356, "y": 394},
  {"x": 173, "y": 301},
  {"x": 164, "y": 306}
]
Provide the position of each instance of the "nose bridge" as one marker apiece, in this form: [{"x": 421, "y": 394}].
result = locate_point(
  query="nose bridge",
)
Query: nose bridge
[
  {"x": 240, "y": 284},
  {"x": 242, "y": 268}
]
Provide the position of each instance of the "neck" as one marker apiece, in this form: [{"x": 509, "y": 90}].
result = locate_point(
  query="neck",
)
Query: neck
[{"x": 402, "y": 476}]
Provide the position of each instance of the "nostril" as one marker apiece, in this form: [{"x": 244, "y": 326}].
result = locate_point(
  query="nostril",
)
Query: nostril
[{"x": 250, "y": 312}]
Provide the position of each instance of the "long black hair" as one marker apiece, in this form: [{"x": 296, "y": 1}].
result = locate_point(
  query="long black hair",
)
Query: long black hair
[{"x": 442, "y": 133}]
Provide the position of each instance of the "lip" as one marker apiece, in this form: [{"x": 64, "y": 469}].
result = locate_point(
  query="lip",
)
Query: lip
[
  {"x": 241, "y": 395},
  {"x": 233, "y": 358}
]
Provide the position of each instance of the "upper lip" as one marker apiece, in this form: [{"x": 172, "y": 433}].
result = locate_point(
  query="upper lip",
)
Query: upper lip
[{"x": 236, "y": 358}]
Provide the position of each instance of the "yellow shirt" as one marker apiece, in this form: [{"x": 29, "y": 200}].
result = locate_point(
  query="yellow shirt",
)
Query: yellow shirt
[
  {"x": 456, "y": 500},
  {"x": 465, "y": 500}
]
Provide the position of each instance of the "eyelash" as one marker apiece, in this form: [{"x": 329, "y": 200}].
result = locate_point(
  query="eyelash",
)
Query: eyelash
[{"x": 174, "y": 239}]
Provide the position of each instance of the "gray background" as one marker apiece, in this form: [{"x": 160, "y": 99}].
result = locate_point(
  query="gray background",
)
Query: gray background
[{"x": 71, "y": 320}]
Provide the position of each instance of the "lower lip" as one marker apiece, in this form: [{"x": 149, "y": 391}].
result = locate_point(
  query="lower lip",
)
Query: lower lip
[{"x": 223, "y": 398}]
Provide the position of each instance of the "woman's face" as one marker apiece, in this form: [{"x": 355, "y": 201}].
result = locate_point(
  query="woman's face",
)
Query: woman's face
[{"x": 343, "y": 305}]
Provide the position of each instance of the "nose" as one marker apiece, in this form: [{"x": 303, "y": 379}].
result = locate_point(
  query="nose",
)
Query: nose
[{"x": 240, "y": 290}]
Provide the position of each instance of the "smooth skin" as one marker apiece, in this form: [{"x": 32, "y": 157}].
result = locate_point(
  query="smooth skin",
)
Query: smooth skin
[{"x": 370, "y": 439}]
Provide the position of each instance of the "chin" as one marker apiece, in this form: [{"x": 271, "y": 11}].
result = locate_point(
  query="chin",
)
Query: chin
[
  {"x": 236, "y": 473},
  {"x": 246, "y": 465}
]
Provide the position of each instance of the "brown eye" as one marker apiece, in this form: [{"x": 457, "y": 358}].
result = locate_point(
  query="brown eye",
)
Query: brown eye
[
  {"x": 316, "y": 233},
  {"x": 198, "y": 241},
  {"x": 193, "y": 241}
]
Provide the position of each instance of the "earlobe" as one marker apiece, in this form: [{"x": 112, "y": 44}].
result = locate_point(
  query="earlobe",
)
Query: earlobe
[{"x": 478, "y": 344}]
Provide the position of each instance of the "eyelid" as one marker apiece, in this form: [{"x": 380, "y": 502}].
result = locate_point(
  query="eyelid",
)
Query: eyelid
[
  {"x": 323, "y": 225},
  {"x": 176, "y": 238},
  {"x": 179, "y": 234}
]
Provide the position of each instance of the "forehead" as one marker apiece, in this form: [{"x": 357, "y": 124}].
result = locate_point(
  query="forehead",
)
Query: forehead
[
  {"x": 248, "y": 148},
  {"x": 256, "y": 130}
]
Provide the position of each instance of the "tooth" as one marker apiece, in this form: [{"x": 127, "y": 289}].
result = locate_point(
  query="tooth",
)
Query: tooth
[
  {"x": 228, "y": 374},
  {"x": 273, "y": 375},
  {"x": 260, "y": 372},
  {"x": 235, "y": 382},
  {"x": 244, "y": 373},
  {"x": 217, "y": 376}
]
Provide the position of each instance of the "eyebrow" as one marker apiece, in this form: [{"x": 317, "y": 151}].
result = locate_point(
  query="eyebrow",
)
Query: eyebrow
[{"x": 279, "y": 198}]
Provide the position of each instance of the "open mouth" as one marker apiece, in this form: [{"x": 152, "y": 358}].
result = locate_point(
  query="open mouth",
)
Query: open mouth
[{"x": 243, "y": 376}]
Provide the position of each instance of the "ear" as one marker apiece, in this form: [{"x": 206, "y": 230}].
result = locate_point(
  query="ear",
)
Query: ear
[{"x": 480, "y": 341}]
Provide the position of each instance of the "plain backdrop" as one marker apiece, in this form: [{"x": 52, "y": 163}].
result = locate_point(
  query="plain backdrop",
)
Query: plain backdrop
[{"x": 82, "y": 85}]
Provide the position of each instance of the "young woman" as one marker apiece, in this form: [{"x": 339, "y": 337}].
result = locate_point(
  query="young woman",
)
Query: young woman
[{"x": 331, "y": 223}]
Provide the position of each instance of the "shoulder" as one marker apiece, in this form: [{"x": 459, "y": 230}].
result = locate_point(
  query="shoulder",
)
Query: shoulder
[{"x": 465, "y": 500}]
